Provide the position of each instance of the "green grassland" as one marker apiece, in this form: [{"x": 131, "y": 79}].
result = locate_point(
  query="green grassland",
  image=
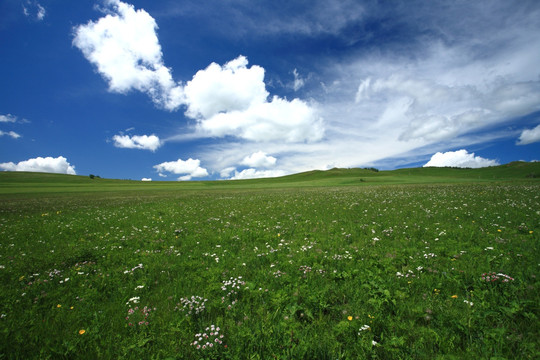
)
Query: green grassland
[
  {"x": 39, "y": 183},
  {"x": 342, "y": 264}
]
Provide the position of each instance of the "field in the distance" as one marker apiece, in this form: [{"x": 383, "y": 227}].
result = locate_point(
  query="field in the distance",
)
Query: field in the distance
[
  {"x": 39, "y": 183},
  {"x": 343, "y": 264}
]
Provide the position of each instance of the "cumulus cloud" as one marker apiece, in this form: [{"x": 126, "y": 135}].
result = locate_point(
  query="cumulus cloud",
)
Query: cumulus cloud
[
  {"x": 259, "y": 159},
  {"x": 145, "y": 142},
  {"x": 255, "y": 174},
  {"x": 13, "y": 134},
  {"x": 231, "y": 100},
  {"x": 48, "y": 164},
  {"x": 189, "y": 168},
  {"x": 529, "y": 136},
  {"x": 461, "y": 158},
  {"x": 228, "y": 100},
  {"x": 231, "y": 87},
  {"x": 146, "y": 179},
  {"x": 124, "y": 47}
]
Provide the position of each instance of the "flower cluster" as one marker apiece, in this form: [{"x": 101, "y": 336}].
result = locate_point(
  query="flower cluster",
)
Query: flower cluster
[
  {"x": 210, "y": 338},
  {"x": 138, "y": 316},
  {"x": 231, "y": 286},
  {"x": 493, "y": 277},
  {"x": 409, "y": 272},
  {"x": 193, "y": 305},
  {"x": 346, "y": 256}
]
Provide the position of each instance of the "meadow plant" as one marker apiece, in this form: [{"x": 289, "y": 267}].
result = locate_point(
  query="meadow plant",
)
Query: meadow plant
[
  {"x": 138, "y": 316},
  {"x": 210, "y": 339},
  {"x": 496, "y": 277},
  {"x": 193, "y": 305}
]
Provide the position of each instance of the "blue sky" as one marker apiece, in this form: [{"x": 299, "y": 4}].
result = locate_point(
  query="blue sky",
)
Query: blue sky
[{"x": 220, "y": 89}]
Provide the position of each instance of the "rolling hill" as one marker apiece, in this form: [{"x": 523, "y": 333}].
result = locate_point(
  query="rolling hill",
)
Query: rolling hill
[{"x": 29, "y": 183}]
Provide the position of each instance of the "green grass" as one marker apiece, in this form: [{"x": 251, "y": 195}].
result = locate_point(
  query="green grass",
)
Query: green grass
[
  {"x": 39, "y": 183},
  {"x": 327, "y": 266}
]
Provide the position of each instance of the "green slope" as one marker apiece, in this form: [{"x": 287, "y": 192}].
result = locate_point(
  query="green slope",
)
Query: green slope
[{"x": 33, "y": 183}]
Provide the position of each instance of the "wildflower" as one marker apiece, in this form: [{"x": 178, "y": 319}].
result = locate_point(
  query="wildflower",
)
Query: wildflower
[
  {"x": 374, "y": 343},
  {"x": 470, "y": 303},
  {"x": 204, "y": 340},
  {"x": 363, "y": 328},
  {"x": 82, "y": 331},
  {"x": 58, "y": 306},
  {"x": 454, "y": 296},
  {"x": 349, "y": 318},
  {"x": 134, "y": 300}
]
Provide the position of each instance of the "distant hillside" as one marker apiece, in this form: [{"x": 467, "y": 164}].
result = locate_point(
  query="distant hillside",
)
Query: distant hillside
[
  {"x": 513, "y": 171},
  {"x": 27, "y": 182}
]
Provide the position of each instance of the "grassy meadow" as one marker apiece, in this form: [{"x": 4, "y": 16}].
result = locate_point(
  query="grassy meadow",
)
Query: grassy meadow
[{"x": 343, "y": 264}]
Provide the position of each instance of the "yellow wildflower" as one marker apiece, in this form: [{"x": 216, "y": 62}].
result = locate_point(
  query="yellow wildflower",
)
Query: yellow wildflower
[
  {"x": 349, "y": 318},
  {"x": 454, "y": 296},
  {"x": 58, "y": 306},
  {"x": 82, "y": 331}
]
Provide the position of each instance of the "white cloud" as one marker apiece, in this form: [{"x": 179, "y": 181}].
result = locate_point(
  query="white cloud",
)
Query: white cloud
[
  {"x": 254, "y": 174},
  {"x": 529, "y": 136},
  {"x": 190, "y": 167},
  {"x": 231, "y": 100},
  {"x": 228, "y": 100},
  {"x": 146, "y": 179},
  {"x": 145, "y": 142},
  {"x": 233, "y": 87},
  {"x": 34, "y": 9},
  {"x": 278, "y": 120},
  {"x": 298, "y": 81},
  {"x": 124, "y": 47},
  {"x": 8, "y": 118},
  {"x": 225, "y": 173},
  {"x": 40, "y": 12},
  {"x": 13, "y": 134},
  {"x": 259, "y": 159},
  {"x": 39, "y": 164},
  {"x": 460, "y": 158}
]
